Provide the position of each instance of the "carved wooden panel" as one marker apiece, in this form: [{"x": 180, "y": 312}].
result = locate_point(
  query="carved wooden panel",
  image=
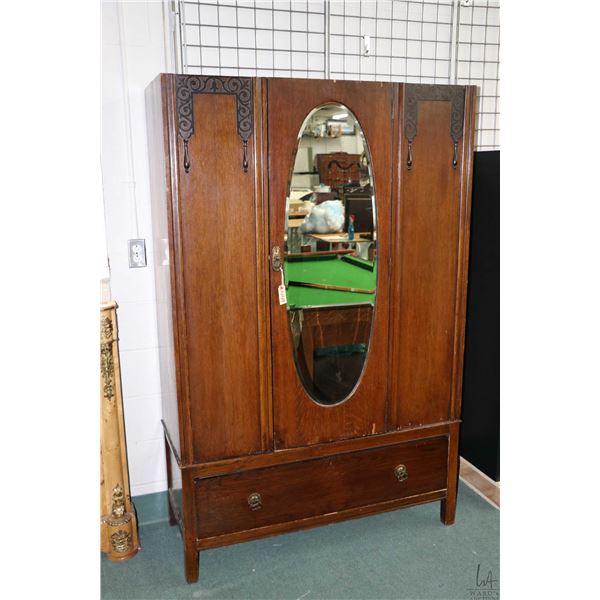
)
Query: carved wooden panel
[
  {"x": 432, "y": 222},
  {"x": 240, "y": 87}
]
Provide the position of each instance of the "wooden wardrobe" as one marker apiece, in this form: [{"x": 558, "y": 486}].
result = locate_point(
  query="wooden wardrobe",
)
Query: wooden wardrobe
[{"x": 249, "y": 452}]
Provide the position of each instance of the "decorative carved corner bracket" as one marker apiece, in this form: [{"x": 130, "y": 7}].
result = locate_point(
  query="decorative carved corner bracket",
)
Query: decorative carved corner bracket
[
  {"x": 414, "y": 93},
  {"x": 240, "y": 87}
]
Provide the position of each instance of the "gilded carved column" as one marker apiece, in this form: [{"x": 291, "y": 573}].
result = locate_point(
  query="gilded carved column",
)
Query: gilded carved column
[{"x": 118, "y": 523}]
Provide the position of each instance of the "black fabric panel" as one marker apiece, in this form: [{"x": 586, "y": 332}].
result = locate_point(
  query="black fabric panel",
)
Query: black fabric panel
[{"x": 480, "y": 430}]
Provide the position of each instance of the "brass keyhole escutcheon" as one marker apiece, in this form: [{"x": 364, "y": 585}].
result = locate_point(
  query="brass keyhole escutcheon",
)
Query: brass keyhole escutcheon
[
  {"x": 276, "y": 258},
  {"x": 401, "y": 473},
  {"x": 255, "y": 501}
]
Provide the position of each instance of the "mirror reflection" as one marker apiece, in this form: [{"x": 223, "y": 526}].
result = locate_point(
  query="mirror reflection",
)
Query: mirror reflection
[{"x": 330, "y": 260}]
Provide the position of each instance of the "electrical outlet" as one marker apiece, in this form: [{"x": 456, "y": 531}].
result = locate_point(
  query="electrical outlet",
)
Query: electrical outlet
[{"x": 137, "y": 253}]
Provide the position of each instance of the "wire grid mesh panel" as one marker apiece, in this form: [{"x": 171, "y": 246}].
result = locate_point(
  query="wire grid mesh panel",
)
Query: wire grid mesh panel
[
  {"x": 269, "y": 39},
  {"x": 478, "y": 62},
  {"x": 417, "y": 41},
  {"x": 391, "y": 40}
]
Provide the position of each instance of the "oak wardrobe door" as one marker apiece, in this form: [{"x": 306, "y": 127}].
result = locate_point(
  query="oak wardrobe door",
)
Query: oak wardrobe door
[
  {"x": 431, "y": 239},
  {"x": 220, "y": 282},
  {"x": 299, "y": 420}
]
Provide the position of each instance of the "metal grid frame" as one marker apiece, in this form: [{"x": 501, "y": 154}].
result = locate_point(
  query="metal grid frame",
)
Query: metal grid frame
[
  {"x": 416, "y": 41},
  {"x": 268, "y": 39},
  {"x": 478, "y": 63},
  {"x": 411, "y": 40}
]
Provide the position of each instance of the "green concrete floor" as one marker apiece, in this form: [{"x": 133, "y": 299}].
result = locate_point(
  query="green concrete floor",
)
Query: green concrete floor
[{"x": 406, "y": 554}]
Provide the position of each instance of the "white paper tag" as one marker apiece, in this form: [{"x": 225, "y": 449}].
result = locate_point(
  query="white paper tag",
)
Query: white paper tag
[
  {"x": 281, "y": 289},
  {"x": 282, "y": 295}
]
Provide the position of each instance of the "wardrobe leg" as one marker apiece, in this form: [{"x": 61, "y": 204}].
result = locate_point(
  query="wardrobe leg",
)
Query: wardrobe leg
[
  {"x": 448, "y": 509},
  {"x": 172, "y": 519},
  {"x": 192, "y": 564},
  {"x": 190, "y": 547},
  {"x": 448, "y": 512}
]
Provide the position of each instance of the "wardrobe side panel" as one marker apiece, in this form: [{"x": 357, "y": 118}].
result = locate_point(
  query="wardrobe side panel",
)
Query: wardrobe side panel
[
  {"x": 218, "y": 228},
  {"x": 160, "y": 195},
  {"x": 428, "y": 250}
]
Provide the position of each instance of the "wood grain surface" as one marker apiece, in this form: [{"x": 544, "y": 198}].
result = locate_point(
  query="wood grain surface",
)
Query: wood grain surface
[
  {"x": 220, "y": 270},
  {"x": 321, "y": 486},
  {"x": 237, "y": 418},
  {"x": 363, "y": 413},
  {"x": 431, "y": 226}
]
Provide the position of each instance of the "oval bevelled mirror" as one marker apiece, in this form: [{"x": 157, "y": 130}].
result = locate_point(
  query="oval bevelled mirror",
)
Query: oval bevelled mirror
[{"x": 330, "y": 260}]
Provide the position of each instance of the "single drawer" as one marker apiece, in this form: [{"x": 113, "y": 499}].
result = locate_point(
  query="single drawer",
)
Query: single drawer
[{"x": 280, "y": 494}]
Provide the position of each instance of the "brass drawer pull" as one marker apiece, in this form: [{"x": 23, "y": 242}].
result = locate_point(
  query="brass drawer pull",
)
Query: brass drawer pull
[
  {"x": 401, "y": 473},
  {"x": 255, "y": 501}
]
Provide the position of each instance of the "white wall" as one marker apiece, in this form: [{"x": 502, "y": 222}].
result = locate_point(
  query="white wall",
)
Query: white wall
[{"x": 133, "y": 53}]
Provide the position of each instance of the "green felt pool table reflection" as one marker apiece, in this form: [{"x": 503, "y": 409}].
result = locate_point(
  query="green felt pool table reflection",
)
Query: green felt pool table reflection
[{"x": 329, "y": 269}]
